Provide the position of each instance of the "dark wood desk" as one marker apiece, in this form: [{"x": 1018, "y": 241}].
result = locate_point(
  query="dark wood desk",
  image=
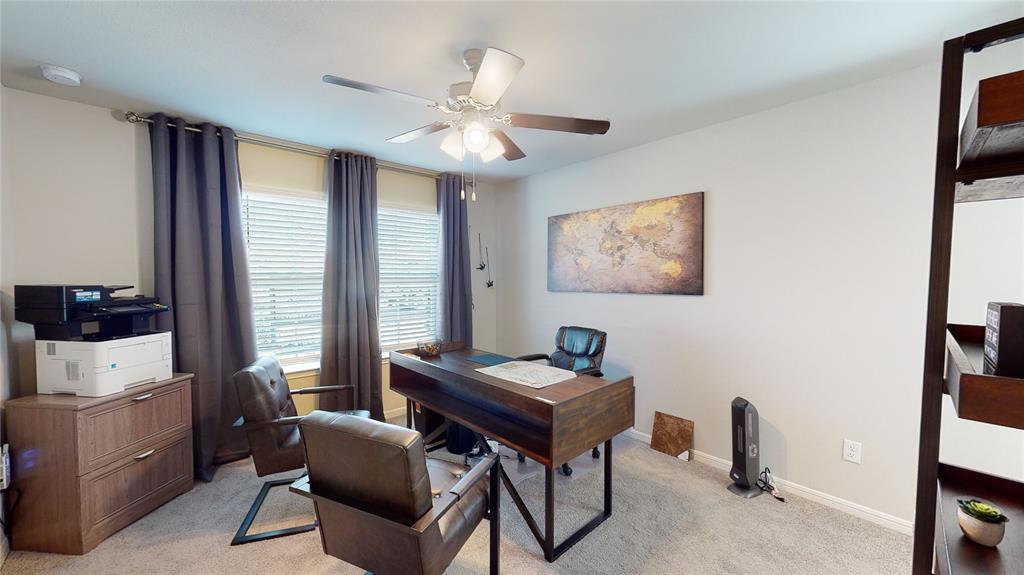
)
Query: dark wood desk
[{"x": 551, "y": 425}]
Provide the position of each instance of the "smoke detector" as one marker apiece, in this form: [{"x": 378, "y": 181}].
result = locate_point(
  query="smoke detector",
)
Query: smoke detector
[{"x": 61, "y": 76}]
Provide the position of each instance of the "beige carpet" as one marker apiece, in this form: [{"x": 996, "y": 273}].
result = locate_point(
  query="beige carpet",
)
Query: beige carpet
[{"x": 669, "y": 516}]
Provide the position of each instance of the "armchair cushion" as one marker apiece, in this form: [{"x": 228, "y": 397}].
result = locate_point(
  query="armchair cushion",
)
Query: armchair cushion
[{"x": 458, "y": 523}]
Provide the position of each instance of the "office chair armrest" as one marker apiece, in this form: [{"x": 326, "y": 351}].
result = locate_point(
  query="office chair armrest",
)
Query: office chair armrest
[
  {"x": 474, "y": 474},
  {"x": 534, "y": 357},
  {"x": 594, "y": 371},
  {"x": 290, "y": 420},
  {"x": 319, "y": 389}
]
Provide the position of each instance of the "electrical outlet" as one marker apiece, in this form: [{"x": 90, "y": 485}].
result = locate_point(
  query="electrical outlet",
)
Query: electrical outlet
[{"x": 851, "y": 450}]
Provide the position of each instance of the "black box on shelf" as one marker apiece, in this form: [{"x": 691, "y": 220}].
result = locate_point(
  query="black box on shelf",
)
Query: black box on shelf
[{"x": 1004, "y": 339}]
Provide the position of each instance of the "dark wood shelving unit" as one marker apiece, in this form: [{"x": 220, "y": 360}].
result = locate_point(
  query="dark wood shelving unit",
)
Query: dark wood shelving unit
[
  {"x": 983, "y": 162},
  {"x": 978, "y": 396},
  {"x": 992, "y": 142},
  {"x": 954, "y": 553}
]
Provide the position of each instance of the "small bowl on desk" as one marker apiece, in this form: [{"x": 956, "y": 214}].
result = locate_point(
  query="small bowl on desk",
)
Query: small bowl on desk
[
  {"x": 981, "y": 522},
  {"x": 429, "y": 348}
]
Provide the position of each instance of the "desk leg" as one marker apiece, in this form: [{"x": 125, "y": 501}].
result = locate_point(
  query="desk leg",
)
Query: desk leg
[
  {"x": 408, "y": 413},
  {"x": 547, "y": 539},
  {"x": 608, "y": 478},
  {"x": 495, "y": 517},
  {"x": 586, "y": 529},
  {"x": 549, "y": 514}
]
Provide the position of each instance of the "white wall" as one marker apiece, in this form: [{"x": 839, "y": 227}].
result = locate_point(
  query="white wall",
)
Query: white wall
[
  {"x": 817, "y": 231},
  {"x": 483, "y": 221},
  {"x": 77, "y": 206}
]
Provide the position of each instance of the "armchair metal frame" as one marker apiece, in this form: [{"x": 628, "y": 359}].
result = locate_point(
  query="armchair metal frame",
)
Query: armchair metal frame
[{"x": 242, "y": 536}]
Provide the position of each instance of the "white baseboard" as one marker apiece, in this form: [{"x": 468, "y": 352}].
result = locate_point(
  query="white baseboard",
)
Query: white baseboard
[
  {"x": 855, "y": 509},
  {"x": 394, "y": 413}
]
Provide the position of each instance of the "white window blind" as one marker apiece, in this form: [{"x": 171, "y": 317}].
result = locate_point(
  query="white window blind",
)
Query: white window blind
[
  {"x": 287, "y": 238},
  {"x": 409, "y": 247}
]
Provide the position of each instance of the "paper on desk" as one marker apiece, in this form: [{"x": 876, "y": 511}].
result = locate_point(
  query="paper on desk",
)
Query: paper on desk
[{"x": 534, "y": 375}]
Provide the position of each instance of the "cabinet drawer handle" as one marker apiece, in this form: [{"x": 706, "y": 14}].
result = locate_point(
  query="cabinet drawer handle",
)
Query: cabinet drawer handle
[
  {"x": 143, "y": 397},
  {"x": 146, "y": 454}
]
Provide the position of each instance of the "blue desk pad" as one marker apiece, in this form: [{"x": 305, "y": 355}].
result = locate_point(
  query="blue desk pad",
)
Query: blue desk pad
[{"x": 490, "y": 359}]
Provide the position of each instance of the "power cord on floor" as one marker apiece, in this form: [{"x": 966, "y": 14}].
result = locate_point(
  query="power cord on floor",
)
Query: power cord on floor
[
  {"x": 6, "y": 526},
  {"x": 766, "y": 483}
]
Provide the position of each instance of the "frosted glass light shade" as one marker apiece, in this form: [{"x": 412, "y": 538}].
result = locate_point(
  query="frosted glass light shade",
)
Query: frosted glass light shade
[
  {"x": 493, "y": 150},
  {"x": 452, "y": 145}
]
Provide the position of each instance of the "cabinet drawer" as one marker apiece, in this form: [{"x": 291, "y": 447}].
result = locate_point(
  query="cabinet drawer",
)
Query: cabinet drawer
[
  {"x": 109, "y": 432},
  {"x": 120, "y": 493}
]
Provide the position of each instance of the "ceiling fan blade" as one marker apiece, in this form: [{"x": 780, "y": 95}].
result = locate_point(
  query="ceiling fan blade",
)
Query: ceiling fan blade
[
  {"x": 559, "y": 123},
  {"x": 512, "y": 151},
  {"x": 418, "y": 133},
  {"x": 339, "y": 81},
  {"x": 497, "y": 70}
]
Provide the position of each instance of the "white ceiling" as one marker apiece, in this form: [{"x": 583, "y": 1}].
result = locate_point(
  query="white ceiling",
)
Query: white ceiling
[{"x": 653, "y": 69}]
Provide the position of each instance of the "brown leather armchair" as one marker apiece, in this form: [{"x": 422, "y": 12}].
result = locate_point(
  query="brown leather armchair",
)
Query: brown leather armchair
[
  {"x": 397, "y": 513},
  {"x": 271, "y": 424}
]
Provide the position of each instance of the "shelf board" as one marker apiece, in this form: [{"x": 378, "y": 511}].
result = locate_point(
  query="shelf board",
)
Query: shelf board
[
  {"x": 992, "y": 138},
  {"x": 993, "y": 189},
  {"x": 956, "y": 554},
  {"x": 976, "y": 395},
  {"x": 995, "y": 121}
]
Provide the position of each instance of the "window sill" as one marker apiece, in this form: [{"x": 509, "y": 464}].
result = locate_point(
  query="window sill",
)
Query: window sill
[
  {"x": 293, "y": 368},
  {"x": 314, "y": 366}
]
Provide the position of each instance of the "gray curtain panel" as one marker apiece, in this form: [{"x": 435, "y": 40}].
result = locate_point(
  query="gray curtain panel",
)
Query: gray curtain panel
[
  {"x": 202, "y": 273},
  {"x": 456, "y": 291},
  {"x": 350, "y": 345}
]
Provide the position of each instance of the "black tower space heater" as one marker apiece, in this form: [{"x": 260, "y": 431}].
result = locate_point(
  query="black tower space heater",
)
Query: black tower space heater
[{"x": 745, "y": 449}]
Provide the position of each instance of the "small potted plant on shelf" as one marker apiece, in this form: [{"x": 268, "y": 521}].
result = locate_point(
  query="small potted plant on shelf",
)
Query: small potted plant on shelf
[{"x": 981, "y": 522}]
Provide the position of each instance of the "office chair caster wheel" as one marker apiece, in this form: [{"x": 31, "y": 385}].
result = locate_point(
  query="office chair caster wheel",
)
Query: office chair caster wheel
[
  {"x": 595, "y": 453},
  {"x": 566, "y": 470},
  {"x": 521, "y": 458}
]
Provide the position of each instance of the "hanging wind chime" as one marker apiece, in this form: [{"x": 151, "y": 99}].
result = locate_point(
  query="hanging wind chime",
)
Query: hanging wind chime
[{"x": 480, "y": 252}]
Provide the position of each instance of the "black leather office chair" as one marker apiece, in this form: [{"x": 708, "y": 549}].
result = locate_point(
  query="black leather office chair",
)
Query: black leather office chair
[{"x": 578, "y": 349}]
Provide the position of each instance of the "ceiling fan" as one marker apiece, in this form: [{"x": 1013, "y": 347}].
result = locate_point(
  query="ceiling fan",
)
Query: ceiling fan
[{"x": 475, "y": 110}]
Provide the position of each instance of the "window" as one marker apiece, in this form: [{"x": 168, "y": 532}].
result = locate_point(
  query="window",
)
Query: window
[
  {"x": 409, "y": 246},
  {"x": 284, "y": 218},
  {"x": 287, "y": 238}
]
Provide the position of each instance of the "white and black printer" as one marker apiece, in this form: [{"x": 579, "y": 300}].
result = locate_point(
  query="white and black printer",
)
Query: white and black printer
[{"x": 91, "y": 343}]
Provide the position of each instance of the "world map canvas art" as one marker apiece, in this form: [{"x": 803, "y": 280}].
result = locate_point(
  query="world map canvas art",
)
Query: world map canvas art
[{"x": 652, "y": 247}]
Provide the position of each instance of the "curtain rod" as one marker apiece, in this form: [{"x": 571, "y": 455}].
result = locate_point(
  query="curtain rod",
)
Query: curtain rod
[{"x": 134, "y": 118}]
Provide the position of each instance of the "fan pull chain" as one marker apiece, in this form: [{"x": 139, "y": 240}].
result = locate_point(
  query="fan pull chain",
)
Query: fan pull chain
[{"x": 462, "y": 182}]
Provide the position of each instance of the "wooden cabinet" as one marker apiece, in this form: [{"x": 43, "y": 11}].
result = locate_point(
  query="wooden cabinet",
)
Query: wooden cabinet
[{"x": 89, "y": 466}]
